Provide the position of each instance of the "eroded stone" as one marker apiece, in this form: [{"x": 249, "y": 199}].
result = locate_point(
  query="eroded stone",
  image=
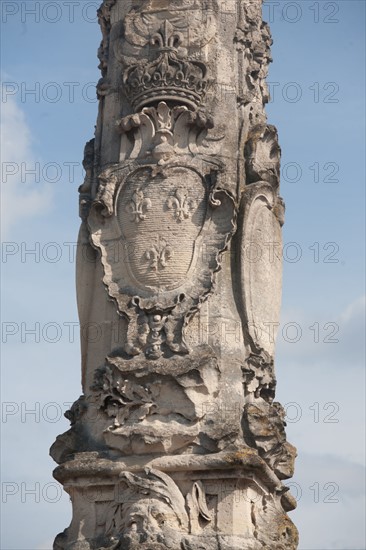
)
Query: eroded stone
[{"x": 177, "y": 442}]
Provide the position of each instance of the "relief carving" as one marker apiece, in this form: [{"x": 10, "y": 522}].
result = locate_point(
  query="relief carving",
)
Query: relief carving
[
  {"x": 163, "y": 279},
  {"x": 159, "y": 255},
  {"x": 197, "y": 506},
  {"x": 262, "y": 155},
  {"x": 138, "y": 206},
  {"x": 85, "y": 190},
  {"x": 155, "y": 412},
  {"x": 104, "y": 19},
  {"x": 268, "y": 511},
  {"x": 181, "y": 204},
  {"x": 259, "y": 376},
  {"x": 266, "y": 425},
  {"x": 195, "y": 24},
  {"x": 176, "y": 444},
  {"x": 261, "y": 265},
  {"x": 168, "y": 76},
  {"x": 149, "y": 513},
  {"x": 161, "y": 133}
]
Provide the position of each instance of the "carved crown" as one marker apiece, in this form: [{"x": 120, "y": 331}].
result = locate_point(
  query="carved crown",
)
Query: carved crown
[{"x": 169, "y": 76}]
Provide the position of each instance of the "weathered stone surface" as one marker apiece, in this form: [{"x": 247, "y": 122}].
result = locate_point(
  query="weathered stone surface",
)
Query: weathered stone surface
[{"x": 176, "y": 442}]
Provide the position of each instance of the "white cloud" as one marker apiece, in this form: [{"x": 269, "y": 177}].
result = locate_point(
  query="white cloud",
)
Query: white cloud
[
  {"x": 20, "y": 200},
  {"x": 355, "y": 309},
  {"x": 338, "y": 340}
]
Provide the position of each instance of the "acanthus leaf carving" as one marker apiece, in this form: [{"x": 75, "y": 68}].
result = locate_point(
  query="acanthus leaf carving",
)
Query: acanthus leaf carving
[
  {"x": 162, "y": 133},
  {"x": 259, "y": 376},
  {"x": 150, "y": 408}
]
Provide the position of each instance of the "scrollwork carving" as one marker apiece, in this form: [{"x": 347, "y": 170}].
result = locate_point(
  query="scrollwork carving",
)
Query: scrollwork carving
[
  {"x": 160, "y": 278},
  {"x": 162, "y": 133}
]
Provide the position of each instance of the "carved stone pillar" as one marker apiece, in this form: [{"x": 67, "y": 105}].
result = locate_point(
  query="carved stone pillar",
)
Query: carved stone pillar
[{"x": 176, "y": 442}]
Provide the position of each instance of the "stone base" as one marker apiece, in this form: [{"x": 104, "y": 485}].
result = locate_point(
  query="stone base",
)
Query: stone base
[{"x": 224, "y": 501}]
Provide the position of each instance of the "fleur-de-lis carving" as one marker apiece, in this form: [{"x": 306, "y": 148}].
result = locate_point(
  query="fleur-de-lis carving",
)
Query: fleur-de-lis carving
[
  {"x": 181, "y": 204},
  {"x": 167, "y": 38},
  {"x": 159, "y": 255},
  {"x": 137, "y": 206}
]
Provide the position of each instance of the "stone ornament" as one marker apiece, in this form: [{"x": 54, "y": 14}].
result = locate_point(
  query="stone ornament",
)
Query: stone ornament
[
  {"x": 177, "y": 441},
  {"x": 162, "y": 280},
  {"x": 168, "y": 76},
  {"x": 138, "y": 206},
  {"x": 261, "y": 264}
]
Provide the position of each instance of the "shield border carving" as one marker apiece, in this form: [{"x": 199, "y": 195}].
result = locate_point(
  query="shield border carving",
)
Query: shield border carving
[
  {"x": 169, "y": 310},
  {"x": 260, "y": 198}
]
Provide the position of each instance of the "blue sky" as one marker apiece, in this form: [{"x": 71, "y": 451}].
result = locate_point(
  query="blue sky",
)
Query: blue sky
[{"x": 317, "y": 80}]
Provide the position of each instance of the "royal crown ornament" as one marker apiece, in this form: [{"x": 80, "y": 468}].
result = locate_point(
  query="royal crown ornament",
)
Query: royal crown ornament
[{"x": 169, "y": 76}]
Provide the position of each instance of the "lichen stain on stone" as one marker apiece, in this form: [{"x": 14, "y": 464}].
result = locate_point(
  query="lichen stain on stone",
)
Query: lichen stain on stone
[{"x": 240, "y": 457}]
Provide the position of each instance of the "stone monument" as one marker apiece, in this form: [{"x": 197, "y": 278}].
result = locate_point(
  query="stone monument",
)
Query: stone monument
[{"x": 177, "y": 442}]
